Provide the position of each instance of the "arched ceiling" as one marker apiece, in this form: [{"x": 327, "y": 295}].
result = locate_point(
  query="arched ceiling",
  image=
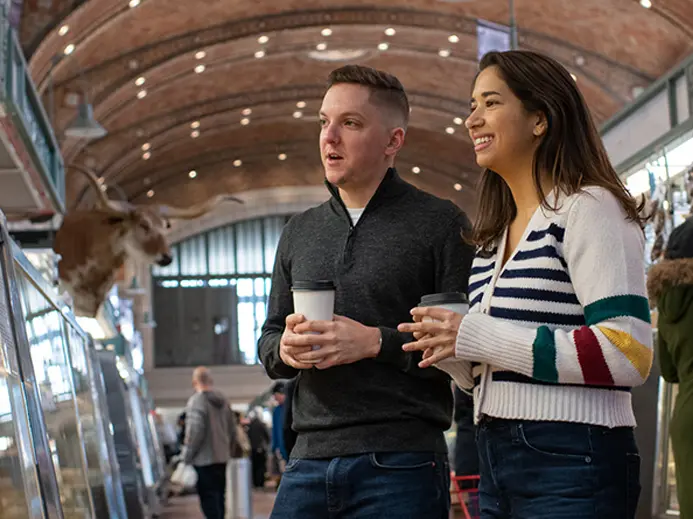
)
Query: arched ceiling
[{"x": 265, "y": 63}]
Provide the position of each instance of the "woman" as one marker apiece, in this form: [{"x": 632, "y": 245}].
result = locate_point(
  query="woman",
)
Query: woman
[
  {"x": 670, "y": 285},
  {"x": 559, "y": 323}
]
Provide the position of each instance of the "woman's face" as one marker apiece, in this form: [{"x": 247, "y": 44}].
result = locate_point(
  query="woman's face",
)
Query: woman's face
[{"x": 504, "y": 134}]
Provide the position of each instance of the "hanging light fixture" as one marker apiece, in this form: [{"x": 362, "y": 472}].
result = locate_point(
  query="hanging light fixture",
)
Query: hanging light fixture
[{"x": 84, "y": 125}]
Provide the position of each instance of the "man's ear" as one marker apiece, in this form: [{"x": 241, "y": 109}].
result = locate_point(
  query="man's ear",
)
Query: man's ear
[{"x": 396, "y": 141}]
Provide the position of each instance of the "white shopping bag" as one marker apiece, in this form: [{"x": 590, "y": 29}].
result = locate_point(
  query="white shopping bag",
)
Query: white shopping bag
[{"x": 184, "y": 476}]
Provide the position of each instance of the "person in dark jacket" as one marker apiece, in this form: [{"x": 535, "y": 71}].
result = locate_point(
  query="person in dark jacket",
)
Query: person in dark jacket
[
  {"x": 370, "y": 422},
  {"x": 259, "y": 444},
  {"x": 210, "y": 438},
  {"x": 288, "y": 431},
  {"x": 670, "y": 287}
]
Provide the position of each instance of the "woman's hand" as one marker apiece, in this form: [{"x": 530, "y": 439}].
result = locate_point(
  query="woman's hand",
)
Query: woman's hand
[{"x": 435, "y": 331}]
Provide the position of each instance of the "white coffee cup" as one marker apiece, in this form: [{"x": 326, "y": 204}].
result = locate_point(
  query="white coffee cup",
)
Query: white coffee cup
[
  {"x": 454, "y": 301},
  {"x": 314, "y": 300}
]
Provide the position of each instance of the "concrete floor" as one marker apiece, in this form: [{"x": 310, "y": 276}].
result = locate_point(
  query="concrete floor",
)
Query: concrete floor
[{"x": 188, "y": 507}]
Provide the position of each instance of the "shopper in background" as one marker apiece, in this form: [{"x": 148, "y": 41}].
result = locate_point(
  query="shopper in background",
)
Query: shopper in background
[
  {"x": 279, "y": 454},
  {"x": 210, "y": 438},
  {"x": 259, "y": 444},
  {"x": 288, "y": 430},
  {"x": 559, "y": 318},
  {"x": 370, "y": 422},
  {"x": 670, "y": 285}
]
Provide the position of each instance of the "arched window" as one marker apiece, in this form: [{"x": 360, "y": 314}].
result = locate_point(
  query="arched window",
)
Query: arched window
[{"x": 210, "y": 302}]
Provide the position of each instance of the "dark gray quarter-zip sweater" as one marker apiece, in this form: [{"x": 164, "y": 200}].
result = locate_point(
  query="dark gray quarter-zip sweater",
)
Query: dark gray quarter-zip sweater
[{"x": 406, "y": 244}]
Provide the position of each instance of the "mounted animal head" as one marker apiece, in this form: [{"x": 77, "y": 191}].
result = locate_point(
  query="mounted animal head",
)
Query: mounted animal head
[{"x": 93, "y": 244}]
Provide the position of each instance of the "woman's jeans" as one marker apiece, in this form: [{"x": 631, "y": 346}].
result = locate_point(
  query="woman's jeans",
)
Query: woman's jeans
[{"x": 557, "y": 470}]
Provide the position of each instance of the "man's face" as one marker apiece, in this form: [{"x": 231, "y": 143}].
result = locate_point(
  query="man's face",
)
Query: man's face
[
  {"x": 279, "y": 397},
  {"x": 355, "y": 137}
]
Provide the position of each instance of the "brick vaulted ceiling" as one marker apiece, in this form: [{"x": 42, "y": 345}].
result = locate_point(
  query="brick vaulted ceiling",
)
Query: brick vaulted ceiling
[{"x": 266, "y": 61}]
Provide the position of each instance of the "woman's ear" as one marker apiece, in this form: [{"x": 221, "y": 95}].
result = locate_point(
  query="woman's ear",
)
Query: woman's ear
[{"x": 540, "y": 126}]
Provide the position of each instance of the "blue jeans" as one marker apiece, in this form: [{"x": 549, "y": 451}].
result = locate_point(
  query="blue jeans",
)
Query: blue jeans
[
  {"x": 402, "y": 485},
  {"x": 557, "y": 470}
]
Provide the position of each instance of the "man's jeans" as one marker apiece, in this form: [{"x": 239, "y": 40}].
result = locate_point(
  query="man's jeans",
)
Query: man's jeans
[
  {"x": 211, "y": 488},
  {"x": 403, "y": 485},
  {"x": 557, "y": 470}
]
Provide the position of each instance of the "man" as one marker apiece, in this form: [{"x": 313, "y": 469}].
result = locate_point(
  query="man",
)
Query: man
[
  {"x": 287, "y": 427},
  {"x": 370, "y": 422},
  {"x": 259, "y": 443},
  {"x": 279, "y": 454},
  {"x": 210, "y": 436}
]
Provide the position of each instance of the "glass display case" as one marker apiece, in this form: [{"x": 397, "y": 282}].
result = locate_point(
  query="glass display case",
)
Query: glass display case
[{"x": 666, "y": 503}]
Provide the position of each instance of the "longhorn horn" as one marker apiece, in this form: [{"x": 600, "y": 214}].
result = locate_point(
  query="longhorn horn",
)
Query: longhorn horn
[
  {"x": 104, "y": 201},
  {"x": 190, "y": 213}
]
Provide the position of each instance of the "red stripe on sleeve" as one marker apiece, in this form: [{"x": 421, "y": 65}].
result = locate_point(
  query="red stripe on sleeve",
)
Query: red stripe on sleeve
[{"x": 594, "y": 367}]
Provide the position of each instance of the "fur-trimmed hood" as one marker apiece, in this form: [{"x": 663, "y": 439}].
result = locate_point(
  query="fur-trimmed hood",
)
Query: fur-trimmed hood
[{"x": 666, "y": 275}]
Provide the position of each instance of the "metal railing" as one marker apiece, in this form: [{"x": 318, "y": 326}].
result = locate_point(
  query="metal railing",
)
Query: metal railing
[{"x": 26, "y": 109}]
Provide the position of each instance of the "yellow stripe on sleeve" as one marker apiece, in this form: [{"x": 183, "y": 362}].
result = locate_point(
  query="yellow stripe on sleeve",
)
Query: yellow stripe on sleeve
[{"x": 638, "y": 354}]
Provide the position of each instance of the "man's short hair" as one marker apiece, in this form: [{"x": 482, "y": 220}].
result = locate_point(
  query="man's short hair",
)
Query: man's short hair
[
  {"x": 203, "y": 376},
  {"x": 386, "y": 90},
  {"x": 278, "y": 388}
]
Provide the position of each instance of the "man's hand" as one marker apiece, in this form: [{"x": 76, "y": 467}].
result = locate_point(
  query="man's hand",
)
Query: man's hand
[
  {"x": 342, "y": 341},
  {"x": 288, "y": 351}
]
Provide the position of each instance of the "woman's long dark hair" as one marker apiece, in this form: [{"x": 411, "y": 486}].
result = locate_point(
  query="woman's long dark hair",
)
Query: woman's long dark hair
[{"x": 571, "y": 150}]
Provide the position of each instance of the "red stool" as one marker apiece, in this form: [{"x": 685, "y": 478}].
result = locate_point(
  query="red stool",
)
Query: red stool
[{"x": 467, "y": 486}]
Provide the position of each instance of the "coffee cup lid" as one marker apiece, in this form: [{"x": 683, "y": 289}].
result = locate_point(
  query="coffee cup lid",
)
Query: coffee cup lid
[
  {"x": 445, "y": 298},
  {"x": 313, "y": 285}
]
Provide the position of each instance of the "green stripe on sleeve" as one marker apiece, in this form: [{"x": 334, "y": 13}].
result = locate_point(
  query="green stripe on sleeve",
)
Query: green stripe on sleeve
[
  {"x": 617, "y": 306},
  {"x": 544, "y": 349}
]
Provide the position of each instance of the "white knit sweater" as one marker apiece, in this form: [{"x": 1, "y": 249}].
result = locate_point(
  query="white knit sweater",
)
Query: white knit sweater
[{"x": 562, "y": 331}]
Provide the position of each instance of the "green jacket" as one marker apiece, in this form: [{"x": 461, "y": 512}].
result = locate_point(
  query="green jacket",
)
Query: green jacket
[{"x": 670, "y": 288}]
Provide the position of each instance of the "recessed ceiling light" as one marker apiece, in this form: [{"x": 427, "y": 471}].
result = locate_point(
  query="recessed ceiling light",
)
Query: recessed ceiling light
[
  {"x": 326, "y": 32},
  {"x": 237, "y": 163},
  {"x": 444, "y": 53},
  {"x": 579, "y": 60},
  {"x": 64, "y": 30},
  {"x": 140, "y": 81},
  {"x": 263, "y": 39},
  {"x": 457, "y": 120},
  {"x": 150, "y": 193},
  {"x": 134, "y": 3},
  {"x": 200, "y": 69},
  {"x": 146, "y": 146},
  {"x": 416, "y": 170},
  {"x": 260, "y": 54},
  {"x": 383, "y": 46},
  {"x": 245, "y": 121},
  {"x": 247, "y": 111},
  {"x": 281, "y": 156},
  {"x": 646, "y": 3},
  {"x": 301, "y": 104},
  {"x": 390, "y": 31},
  {"x": 453, "y": 38},
  {"x": 458, "y": 187},
  {"x": 200, "y": 54},
  {"x": 69, "y": 49},
  {"x": 192, "y": 174},
  {"x": 195, "y": 124},
  {"x": 321, "y": 46},
  {"x": 449, "y": 130},
  {"x": 142, "y": 94},
  {"x": 298, "y": 114},
  {"x": 147, "y": 155},
  {"x": 195, "y": 134}
]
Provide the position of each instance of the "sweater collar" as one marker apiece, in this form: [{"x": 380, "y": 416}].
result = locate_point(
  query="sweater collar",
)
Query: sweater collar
[{"x": 391, "y": 186}]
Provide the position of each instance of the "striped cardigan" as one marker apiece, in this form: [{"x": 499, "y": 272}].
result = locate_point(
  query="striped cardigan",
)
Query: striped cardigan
[{"x": 562, "y": 331}]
